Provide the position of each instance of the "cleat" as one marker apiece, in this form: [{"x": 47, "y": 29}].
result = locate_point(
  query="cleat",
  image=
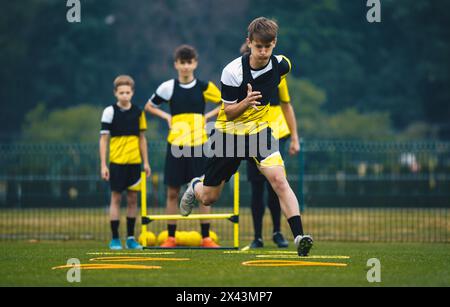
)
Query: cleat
[
  {"x": 279, "y": 240},
  {"x": 188, "y": 200},
  {"x": 169, "y": 242},
  {"x": 132, "y": 244},
  {"x": 208, "y": 242},
  {"x": 304, "y": 244},
  {"x": 115, "y": 244},
  {"x": 257, "y": 243}
]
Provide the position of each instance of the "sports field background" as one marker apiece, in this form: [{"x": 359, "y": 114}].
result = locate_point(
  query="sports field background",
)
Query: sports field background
[{"x": 407, "y": 264}]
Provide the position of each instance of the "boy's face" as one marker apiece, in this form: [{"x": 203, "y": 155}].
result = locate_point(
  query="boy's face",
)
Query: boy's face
[
  {"x": 186, "y": 67},
  {"x": 260, "y": 50},
  {"x": 124, "y": 93}
]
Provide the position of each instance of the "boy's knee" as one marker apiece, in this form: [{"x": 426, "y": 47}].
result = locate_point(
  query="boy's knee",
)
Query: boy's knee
[
  {"x": 172, "y": 194},
  {"x": 279, "y": 183},
  {"x": 209, "y": 199}
]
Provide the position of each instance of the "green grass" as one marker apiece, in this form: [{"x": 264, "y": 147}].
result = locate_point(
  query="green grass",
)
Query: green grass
[
  {"x": 325, "y": 224},
  {"x": 402, "y": 264}
]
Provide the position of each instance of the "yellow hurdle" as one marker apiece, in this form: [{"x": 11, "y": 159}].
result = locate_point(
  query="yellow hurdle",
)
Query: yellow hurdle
[{"x": 233, "y": 217}]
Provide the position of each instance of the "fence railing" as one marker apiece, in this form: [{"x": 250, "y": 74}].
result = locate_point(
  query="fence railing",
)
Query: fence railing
[{"x": 359, "y": 191}]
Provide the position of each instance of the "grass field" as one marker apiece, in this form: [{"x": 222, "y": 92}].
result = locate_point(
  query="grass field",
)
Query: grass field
[
  {"x": 26, "y": 263},
  {"x": 326, "y": 224}
]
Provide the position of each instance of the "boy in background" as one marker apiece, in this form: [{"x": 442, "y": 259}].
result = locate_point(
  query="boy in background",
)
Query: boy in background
[
  {"x": 122, "y": 130},
  {"x": 186, "y": 97}
]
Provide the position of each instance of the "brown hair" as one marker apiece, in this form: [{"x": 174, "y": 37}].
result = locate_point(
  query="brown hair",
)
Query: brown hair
[
  {"x": 263, "y": 29},
  {"x": 123, "y": 80},
  {"x": 185, "y": 53}
]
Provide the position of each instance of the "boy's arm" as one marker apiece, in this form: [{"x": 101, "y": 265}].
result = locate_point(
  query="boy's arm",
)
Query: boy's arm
[
  {"x": 212, "y": 113},
  {"x": 212, "y": 94},
  {"x": 150, "y": 108},
  {"x": 291, "y": 121},
  {"x": 144, "y": 152},
  {"x": 104, "y": 140},
  {"x": 233, "y": 111}
]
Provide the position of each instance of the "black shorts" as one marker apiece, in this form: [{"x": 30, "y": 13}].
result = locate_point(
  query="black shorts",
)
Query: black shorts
[
  {"x": 221, "y": 167},
  {"x": 253, "y": 173},
  {"x": 180, "y": 170},
  {"x": 124, "y": 177}
]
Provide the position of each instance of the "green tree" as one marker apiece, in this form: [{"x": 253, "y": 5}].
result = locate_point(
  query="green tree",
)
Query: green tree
[{"x": 78, "y": 124}]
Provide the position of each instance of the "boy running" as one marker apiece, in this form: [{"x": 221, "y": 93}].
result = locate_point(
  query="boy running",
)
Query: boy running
[{"x": 248, "y": 85}]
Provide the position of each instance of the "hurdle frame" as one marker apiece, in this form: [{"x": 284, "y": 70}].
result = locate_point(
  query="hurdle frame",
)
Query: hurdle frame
[{"x": 232, "y": 217}]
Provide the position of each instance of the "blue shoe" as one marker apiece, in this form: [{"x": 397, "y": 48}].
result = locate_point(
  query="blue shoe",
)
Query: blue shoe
[
  {"x": 115, "y": 244},
  {"x": 132, "y": 244}
]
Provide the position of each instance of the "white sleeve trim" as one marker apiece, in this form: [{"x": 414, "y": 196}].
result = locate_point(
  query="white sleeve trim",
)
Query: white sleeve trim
[
  {"x": 108, "y": 115},
  {"x": 232, "y": 73},
  {"x": 104, "y": 132},
  {"x": 165, "y": 90},
  {"x": 229, "y": 102}
]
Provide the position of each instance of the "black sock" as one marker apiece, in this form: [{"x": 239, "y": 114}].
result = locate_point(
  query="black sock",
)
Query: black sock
[
  {"x": 115, "y": 229},
  {"x": 296, "y": 225},
  {"x": 205, "y": 229},
  {"x": 274, "y": 206},
  {"x": 131, "y": 221},
  {"x": 171, "y": 229},
  {"x": 257, "y": 207}
]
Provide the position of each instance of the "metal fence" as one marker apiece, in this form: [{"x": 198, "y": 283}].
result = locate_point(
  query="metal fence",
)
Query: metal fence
[{"x": 351, "y": 191}]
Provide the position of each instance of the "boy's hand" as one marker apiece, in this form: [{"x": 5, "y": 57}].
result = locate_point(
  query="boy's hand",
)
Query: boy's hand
[
  {"x": 252, "y": 97},
  {"x": 147, "y": 170},
  {"x": 105, "y": 173},
  {"x": 294, "y": 147},
  {"x": 169, "y": 120}
]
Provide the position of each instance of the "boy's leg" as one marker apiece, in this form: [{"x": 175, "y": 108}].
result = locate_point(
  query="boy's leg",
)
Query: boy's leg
[
  {"x": 257, "y": 204},
  {"x": 205, "y": 226},
  {"x": 275, "y": 211},
  {"x": 289, "y": 205},
  {"x": 274, "y": 207},
  {"x": 131, "y": 219},
  {"x": 114, "y": 213},
  {"x": 206, "y": 195},
  {"x": 171, "y": 208},
  {"x": 131, "y": 212}
]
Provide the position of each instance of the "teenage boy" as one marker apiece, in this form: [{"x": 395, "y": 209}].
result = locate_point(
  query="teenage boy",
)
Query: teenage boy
[
  {"x": 248, "y": 85},
  {"x": 123, "y": 131},
  {"x": 186, "y": 97}
]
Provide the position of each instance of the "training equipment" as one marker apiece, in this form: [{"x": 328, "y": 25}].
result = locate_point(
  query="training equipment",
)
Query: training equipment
[
  {"x": 147, "y": 238},
  {"x": 195, "y": 239},
  {"x": 214, "y": 236},
  {"x": 162, "y": 237},
  {"x": 181, "y": 238},
  {"x": 188, "y": 242}
]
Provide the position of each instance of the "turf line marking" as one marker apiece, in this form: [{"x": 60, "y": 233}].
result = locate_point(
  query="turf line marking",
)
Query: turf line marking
[
  {"x": 285, "y": 263},
  {"x": 134, "y": 259},
  {"x": 136, "y": 254},
  {"x": 108, "y": 267},
  {"x": 301, "y": 257}
]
